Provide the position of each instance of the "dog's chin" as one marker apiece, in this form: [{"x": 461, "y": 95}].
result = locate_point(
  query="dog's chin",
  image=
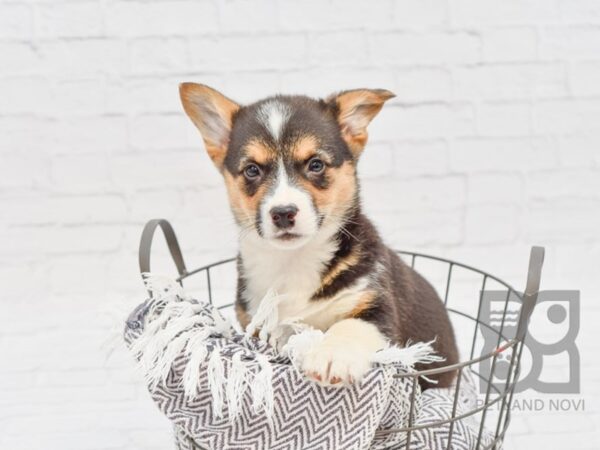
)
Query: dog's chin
[{"x": 288, "y": 241}]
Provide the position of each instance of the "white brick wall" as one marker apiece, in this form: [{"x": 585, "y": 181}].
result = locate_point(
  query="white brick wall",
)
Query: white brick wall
[{"x": 492, "y": 144}]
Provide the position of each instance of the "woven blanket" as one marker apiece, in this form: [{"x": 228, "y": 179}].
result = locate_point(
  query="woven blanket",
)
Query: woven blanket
[{"x": 223, "y": 389}]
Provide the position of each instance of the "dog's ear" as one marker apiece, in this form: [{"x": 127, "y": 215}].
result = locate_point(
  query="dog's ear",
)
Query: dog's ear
[
  {"x": 355, "y": 109},
  {"x": 212, "y": 113}
]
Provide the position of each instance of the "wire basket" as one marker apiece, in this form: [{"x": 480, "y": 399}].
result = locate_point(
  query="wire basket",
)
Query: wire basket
[{"x": 462, "y": 288}]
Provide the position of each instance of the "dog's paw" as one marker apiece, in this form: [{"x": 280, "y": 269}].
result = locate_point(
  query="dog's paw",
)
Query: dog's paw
[{"x": 335, "y": 362}]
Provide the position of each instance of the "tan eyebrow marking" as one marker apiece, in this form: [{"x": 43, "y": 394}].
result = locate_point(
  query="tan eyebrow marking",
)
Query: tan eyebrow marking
[
  {"x": 306, "y": 147},
  {"x": 256, "y": 151}
]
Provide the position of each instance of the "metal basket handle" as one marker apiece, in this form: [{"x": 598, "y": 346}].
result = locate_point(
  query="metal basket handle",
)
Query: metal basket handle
[
  {"x": 536, "y": 260},
  {"x": 146, "y": 245}
]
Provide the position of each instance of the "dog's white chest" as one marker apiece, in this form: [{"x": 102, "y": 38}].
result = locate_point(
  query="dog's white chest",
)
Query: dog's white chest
[{"x": 294, "y": 275}]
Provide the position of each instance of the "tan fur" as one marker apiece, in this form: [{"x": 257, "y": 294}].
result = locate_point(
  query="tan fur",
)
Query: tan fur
[
  {"x": 342, "y": 265},
  {"x": 338, "y": 197},
  {"x": 196, "y": 100},
  {"x": 305, "y": 148},
  {"x": 244, "y": 207},
  {"x": 258, "y": 152},
  {"x": 356, "y": 110},
  {"x": 364, "y": 303},
  {"x": 242, "y": 316}
]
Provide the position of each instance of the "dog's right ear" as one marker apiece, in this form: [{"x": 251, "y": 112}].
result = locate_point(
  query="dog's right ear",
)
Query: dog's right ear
[
  {"x": 355, "y": 109},
  {"x": 212, "y": 113}
]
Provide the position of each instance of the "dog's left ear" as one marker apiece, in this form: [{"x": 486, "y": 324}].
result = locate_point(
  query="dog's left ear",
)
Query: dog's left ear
[{"x": 355, "y": 109}]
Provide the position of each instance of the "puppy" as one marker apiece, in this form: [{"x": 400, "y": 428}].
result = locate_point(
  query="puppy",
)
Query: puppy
[{"x": 289, "y": 165}]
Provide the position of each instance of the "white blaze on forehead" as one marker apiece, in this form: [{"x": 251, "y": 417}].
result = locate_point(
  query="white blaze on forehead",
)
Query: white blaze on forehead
[{"x": 274, "y": 115}]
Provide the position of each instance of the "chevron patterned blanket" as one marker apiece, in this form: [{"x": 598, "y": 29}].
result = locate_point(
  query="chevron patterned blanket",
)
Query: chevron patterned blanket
[{"x": 222, "y": 389}]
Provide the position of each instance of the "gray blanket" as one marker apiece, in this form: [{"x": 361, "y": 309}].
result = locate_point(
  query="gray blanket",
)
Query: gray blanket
[{"x": 224, "y": 390}]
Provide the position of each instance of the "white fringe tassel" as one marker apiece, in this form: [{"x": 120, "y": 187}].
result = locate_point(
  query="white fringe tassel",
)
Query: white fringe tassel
[
  {"x": 266, "y": 317},
  {"x": 298, "y": 345},
  {"x": 216, "y": 379},
  {"x": 174, "y": 327},
  {"x": 236, "y": 384},
  {"x": 409, "y": 356},
  {"x": 262, "y": 386},
  {"x": 419, "y": 353},
  {"x": 162, "y": 286},
  {"x": 196, "y": 352}
]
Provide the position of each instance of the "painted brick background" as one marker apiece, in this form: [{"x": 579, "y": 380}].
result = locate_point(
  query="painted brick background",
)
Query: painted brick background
[{"x": 492, "y": 145}]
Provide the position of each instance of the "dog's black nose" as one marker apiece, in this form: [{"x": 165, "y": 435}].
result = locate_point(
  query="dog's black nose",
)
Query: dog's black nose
[{"x": 284, "y": 216}]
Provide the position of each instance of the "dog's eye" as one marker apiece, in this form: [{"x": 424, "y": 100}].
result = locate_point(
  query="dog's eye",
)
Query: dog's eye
[
  {"x": 251, "y": 171},
  {"x": 315, "y": 165}
]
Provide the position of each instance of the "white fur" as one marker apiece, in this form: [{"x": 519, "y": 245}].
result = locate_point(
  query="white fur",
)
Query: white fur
[
  {"x": 294, "y": 275},
  {"x": 345, "y": 354},
  {"x": 284, "y": 193},
  {"x": 266, "y": 317},
  {"x": 349, "y": 344},
  {"x": 274, "y": 115}
]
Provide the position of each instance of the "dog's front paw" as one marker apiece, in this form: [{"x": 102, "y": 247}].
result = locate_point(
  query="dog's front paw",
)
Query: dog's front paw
[{"x": 335, "y": 362}]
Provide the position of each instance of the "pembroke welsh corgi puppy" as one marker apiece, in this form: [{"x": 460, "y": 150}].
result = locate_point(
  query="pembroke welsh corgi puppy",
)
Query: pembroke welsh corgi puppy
[{"x": 289, "y": 165}]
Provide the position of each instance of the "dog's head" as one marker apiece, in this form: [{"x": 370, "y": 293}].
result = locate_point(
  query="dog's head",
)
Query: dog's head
[{"x": 289, "y": 162}]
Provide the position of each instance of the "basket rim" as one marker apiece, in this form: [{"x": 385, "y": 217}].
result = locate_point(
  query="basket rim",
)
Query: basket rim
[
  {"x": 508, "y": 343},
  {"x": 187, "y": 273}
]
